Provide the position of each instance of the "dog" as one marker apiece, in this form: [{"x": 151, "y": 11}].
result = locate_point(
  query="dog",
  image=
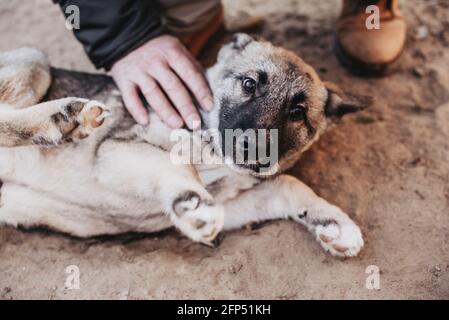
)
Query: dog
[{"x": 85, "y": 168}]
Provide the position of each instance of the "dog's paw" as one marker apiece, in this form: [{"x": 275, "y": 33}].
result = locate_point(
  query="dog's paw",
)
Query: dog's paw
[
  {"x": 199, "y": 219},
  {"x": 340, "y": 239},
  {"x": 78, "y": 118}
]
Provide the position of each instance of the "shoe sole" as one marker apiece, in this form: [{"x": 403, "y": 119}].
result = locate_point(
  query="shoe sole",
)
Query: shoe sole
[{"x": 363, "y": 69}]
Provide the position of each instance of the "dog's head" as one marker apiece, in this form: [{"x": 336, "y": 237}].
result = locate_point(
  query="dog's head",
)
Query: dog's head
[{"x": 259, "y": 86}]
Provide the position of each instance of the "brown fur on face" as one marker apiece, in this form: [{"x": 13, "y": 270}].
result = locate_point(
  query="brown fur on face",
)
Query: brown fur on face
[{"x": 260, "y": 86}]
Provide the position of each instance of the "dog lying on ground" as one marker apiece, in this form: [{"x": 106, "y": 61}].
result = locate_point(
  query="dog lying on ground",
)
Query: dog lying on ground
[{"x": 85, "y": 168}]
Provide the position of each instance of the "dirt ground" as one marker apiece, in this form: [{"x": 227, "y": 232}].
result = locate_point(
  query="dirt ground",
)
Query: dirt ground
[{"x": 388, "y": 168}]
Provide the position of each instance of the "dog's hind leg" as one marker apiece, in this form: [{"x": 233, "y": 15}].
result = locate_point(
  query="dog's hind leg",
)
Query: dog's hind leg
[
  {"x": 285, "y": 197},
  {"x": 24, "y": 80},
  {"x": 21, "y": 206},
  {"x": 24, "y": 77}
]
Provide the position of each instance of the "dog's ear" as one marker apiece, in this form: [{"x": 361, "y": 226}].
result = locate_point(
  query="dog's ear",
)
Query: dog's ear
[
  {"x": 241, "y": 40},
  {"x": 238, "y": 42},
  {"x": 340, "y": 103}
]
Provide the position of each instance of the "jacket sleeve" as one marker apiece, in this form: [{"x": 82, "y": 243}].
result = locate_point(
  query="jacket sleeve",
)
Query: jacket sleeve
[{"x": 110, "y": 29}]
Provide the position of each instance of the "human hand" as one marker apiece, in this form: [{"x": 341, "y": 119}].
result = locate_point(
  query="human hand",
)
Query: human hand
[{"x": 163, "y": 71}]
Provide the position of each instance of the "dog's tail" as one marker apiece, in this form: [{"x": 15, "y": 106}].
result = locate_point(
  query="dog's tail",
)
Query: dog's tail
[{"x": 24, "y": 77}]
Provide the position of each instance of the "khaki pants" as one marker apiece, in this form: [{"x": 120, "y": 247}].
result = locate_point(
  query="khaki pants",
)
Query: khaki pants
[{"x": 187, "y": 17}]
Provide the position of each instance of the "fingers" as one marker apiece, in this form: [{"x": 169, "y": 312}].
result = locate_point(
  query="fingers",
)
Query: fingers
[
  {"x": 159, "y": 102},
  {"x": 178, "y": 94},
  {"x": 165, "y": 73},
  {"x": 190, "y": 72},
  {"x": 133, "y": 102}
]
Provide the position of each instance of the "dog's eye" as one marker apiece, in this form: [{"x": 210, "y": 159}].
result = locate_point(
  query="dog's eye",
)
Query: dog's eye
[
  {"x": 298, "y": 107},
  {"x": 297, "y": 112},
  {"x": 249, "y": 85}
]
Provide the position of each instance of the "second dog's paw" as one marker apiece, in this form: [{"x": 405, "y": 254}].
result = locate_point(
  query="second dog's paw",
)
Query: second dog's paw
[
  {"x": 198, "y": 219},
  {"x": 78, "y": 118},
  {"x": 340, "y": 239}
]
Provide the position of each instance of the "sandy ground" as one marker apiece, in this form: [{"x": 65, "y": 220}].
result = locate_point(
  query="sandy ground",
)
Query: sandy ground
[{"x": 388, "y": 167}]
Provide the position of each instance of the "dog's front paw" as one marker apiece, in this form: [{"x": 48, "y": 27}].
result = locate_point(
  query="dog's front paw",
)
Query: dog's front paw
[
  {"x": 78, "y": 118},
  {"x": 342, "y": 239},
  {"x": 198, "y": 218}
]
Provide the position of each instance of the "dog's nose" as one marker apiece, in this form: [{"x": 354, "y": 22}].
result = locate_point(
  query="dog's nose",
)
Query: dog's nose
[
  {"x": 245, "y": 143},
  {"x": 217, "y": 241}
]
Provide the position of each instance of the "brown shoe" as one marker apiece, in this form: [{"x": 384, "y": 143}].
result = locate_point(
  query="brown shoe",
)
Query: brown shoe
[
  {"x": 196, "y": 42},
  {"x": 370, "y": 52},
  {"x": 218, "y": 29}
]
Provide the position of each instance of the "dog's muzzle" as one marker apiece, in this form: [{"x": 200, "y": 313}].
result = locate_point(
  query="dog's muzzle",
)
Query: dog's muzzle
[{"x": 253, "y": 150}]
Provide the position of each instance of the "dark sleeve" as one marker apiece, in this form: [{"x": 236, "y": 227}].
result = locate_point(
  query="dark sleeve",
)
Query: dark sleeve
[{"x": 109, "y": 29}]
